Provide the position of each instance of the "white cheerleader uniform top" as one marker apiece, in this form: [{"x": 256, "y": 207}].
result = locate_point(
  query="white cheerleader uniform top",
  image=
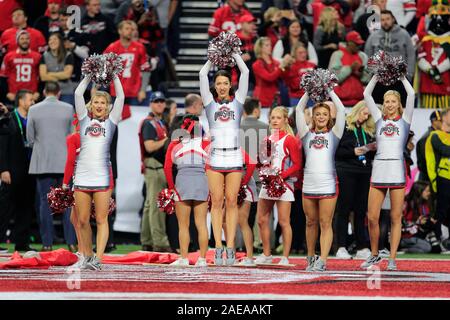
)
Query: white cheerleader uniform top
[
  {"x": 391, "y": 136},
  {"x": 319, "y": 180},
  {"x": 93, "y": 163}
]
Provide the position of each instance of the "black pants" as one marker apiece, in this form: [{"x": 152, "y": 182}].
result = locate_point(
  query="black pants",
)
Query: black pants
[
  {"x": 298, "y": 222},
  {"x": 443, "y": 203},
  {"x": 353, "y": 196},
  {"x": 18, "y": 201}
]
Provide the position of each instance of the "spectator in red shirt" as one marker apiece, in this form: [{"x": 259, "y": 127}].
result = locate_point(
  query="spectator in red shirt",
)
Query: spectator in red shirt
[
  {"x": 267, "y": 73},
  {"x": 272, "y": 26},
  {"x": 49, "y": 22},
  {"x": 227, "y": 17},
  {"x": 21, "y": 67},
  {"x": 136, "y": 73},
  {"x": 19, "y": 20},
  {"x": 349, "y": 63},
  {"x": 6, "y": 10},
  {"x": 293, "y": 74}
]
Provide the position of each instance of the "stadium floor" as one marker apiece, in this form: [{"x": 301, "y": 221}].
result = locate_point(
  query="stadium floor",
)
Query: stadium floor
[{"x": 415, "y": 279}]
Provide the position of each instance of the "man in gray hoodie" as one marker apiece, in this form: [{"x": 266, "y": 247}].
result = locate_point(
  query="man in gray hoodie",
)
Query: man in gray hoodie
[{"x": 396, "y": 41}]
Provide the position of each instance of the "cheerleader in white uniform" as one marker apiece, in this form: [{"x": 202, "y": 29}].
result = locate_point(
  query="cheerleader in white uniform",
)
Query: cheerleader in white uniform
[
  {"x": 388, "y": 172},
  {"x": 286, "y": 159},
  {"x": 320, "y": 189},
  {"x": 93, "y": 174},
  {"x": 224, "y": 111},
  {"x": 189, "y": 154},
  {"x": 244, "y": 209}
]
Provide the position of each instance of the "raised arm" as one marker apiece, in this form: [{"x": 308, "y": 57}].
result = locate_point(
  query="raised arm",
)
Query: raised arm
[
  {"x": 373, "y": 109},
  {"x": 80, "y": 104},
  {"x": 116, "y": 112},
  {"x": 302, "y": 126},
  {"x": 241, "y": 93},
  {"x": 409, "y": 110},
  {"x": 207, "y": 96},
  {"x": 339, "y": 126}
]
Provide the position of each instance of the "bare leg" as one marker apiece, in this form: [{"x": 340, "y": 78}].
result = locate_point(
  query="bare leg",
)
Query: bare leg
[
  {"x": 232, "y": 185},
  {"x": 284, "y": 219},
  {"x": 397, "y": 200},
  {"x": 76, "y": 225},
  {"x": 326, "y": 212},
  {"x": 262, "y": 216},
  {"x": 376, "y": 198},
  {"x": 216, "y": 188},
  {"x": 101, "y": 201},
  {"x": 200, "y": 213},
  {"x": 183, "y": 211},
  {"x": 83, "y": 202},
  {"x": 311, "y": 209},
  {"x": 247, "y": 234}
]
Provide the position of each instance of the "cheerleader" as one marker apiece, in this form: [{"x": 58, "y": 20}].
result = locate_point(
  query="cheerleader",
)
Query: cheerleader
[
  {"x": 249, "y": 184},
  {"x": 320, "y": 188},
  {"x": 93, "y": 174},
  {"x": 388, "y": 170},
  {"x": 73, "y": 149},
  {"x": 224, "y": 110},
  {"x": 189, "y": 154},
  {"x": 286, "y": 158}
]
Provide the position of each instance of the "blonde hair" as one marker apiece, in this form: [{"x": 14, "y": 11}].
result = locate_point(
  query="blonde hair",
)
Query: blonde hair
[
  {"x": 368, "y": 126},
  {"x": 284, "y": 111},
  {"x": 296, "y": 46},
  {"x": 327, "y": 19},
  {"x": 103, "y": 94},
  {"x": 124, "y": 22},
  {"x": 270, "y": 13},
  {"x": 397, "y": 95},
  {"x": 330, "y": 123},
  {"x": 258, "y": 46}
]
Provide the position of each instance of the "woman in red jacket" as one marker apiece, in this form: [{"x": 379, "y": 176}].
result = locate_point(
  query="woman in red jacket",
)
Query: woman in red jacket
[{"x": 267, "y": 72}]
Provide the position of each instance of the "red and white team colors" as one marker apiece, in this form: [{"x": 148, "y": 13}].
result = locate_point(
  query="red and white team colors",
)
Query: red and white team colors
[
  {"x": 135, "y": 61},
  {"x": 320, "y": 180},
  {"x": 190, "y": 156},
  {"x": 93, "y": 171},
  {"x": 21, "y": 70},
  {"x": 224, "y": 121},
  {"x": 287, "y": 160},
  {"x": 388, "y": 168}
]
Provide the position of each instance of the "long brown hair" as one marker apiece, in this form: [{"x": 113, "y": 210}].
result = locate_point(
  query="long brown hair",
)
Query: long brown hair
[
  {"x": 61, "y": 51},
  {"x": 330, "y": 123}
]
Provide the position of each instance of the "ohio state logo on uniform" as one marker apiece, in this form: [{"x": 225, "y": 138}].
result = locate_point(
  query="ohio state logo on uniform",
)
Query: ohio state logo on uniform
[
  {"x": 95, "y": 130},
  {"x": 389, "y": 130},
  {"x": 318, "y": 142},
  {"x": 224, "y": 114}
]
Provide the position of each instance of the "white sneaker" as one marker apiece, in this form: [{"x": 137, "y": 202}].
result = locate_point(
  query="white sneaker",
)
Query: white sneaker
[
  {"x": 201, "y": 262},
  {"x": 247, "y": 262},
  {"x": 262, "y": 259},
  {"x": 180, "y": 262},
  {"x": 283, "y": 261},
  {"x": 342, "y": 253},
  {"x": 384, "y": 253},
  {"x": 363, "y": 254}
]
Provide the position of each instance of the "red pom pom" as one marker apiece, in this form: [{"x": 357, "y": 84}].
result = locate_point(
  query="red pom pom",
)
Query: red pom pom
[
  {"x": 103, "y": 68},
  {"x": 272, "y": 182},
  {"x": 222, "y": 47},
  {"x": 241, "y": 195},
  {"x": 112, "y": 207},
  {"x": 166, "y": 201},
  {"x": 389, "y": 69},
  {"x": 59, "y": 199}
]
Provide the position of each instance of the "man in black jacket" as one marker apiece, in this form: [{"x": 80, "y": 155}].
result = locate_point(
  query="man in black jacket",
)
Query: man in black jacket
[
  {"x": 436, "y": 124},
  {"x": 17, "y": 189}
]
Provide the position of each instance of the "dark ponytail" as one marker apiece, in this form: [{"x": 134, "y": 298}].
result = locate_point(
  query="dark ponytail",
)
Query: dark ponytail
[{"x": 223, "y": 73}]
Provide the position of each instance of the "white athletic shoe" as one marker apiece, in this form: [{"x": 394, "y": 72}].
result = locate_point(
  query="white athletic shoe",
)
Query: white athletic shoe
[
  {"x": 201, "y": 262},
  {"x": 342, "y": 253},
  {"x": 392, "y": 266},
  {"x": 385, "y": 253},
  {"x": 247, "y": 262},
  {"x": 283, "y": 261},
  {"x": 262, "y": 259},
  {"x": 180, "y": 262},
  {"x": 80, "y": 264},
  {"x": 363, "y": 254}
]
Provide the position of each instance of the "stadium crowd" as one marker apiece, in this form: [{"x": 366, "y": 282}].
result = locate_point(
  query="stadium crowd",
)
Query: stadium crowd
[{"x": 41, "y": 67}]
